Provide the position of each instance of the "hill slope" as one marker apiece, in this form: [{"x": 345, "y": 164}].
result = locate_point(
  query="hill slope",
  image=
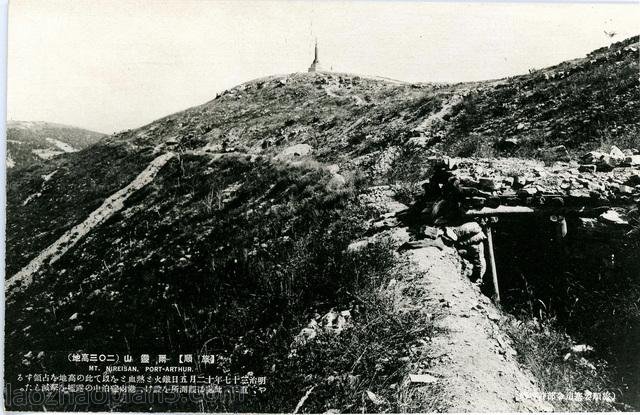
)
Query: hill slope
[
  {"x": 241, "y": 237},
  {"x": 29, "y": 142}
]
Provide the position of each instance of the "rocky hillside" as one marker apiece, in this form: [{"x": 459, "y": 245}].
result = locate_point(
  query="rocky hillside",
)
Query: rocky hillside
[
  {"x": 29, "y": 142},
  {"x": 582, "y": 104},
  {"x": 225, "y": 227},
  {"x": 385, "y": 129}
]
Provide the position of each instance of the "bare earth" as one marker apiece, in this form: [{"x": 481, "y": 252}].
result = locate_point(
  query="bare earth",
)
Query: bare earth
[{"x": 473, "y": 363}]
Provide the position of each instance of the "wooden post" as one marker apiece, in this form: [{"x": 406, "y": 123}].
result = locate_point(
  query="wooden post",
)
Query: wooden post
[
  {"x": 492, "y": 261},
  {"x": 561, "y": 226},
  {"x": 561, "y": 231}
]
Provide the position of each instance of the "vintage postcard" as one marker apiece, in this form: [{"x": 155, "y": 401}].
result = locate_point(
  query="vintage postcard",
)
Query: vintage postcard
[{"x": 322, "y": 206}]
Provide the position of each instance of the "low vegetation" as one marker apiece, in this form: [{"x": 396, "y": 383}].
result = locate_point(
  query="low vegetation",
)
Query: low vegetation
[{"x": 239, "y": 274}]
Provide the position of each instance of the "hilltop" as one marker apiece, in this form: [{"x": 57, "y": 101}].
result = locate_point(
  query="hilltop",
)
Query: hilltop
[
  {"x": 582, "y": 103},
  {"x": 30, "y": 142},
  {"x": 227, "y": 227}
]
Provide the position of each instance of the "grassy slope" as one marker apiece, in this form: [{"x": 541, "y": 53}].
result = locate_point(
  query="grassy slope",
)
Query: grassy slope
[
  {"x": 266, "y": 271},
  {"x": 79, "y": 185},
  {"x": 265, "y": 116},
  {"x": 581, "y": 104}
]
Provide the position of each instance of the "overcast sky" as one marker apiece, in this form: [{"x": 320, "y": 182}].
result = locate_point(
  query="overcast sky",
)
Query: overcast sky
[{"x": 117, "y": 64}]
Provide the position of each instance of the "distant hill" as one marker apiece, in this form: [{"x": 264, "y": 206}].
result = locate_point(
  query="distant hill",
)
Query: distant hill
[{"x": 32, "y": 141}]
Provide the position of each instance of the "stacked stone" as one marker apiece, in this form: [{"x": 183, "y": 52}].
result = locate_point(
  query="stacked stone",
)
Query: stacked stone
[
  {"x": 600, "y": 161},
  {"x": 489, "y": 183}
]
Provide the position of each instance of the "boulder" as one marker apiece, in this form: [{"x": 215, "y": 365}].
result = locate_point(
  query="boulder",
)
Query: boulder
[
  {"x": 581, "y": 348},
  {"x": 429, "y": 232},
  {"x": 615, "y": 152},
  {"x": 508, "y": 144},
  {"x": 527, "y": 191},
  {"x": 297, "y": 150},
  {"x": 557, "y": 153},
  {"x": 337, "y": 182},
  {"x": 626, "y": 190},
  {"x": 592, "y": 157},
  {"x": 587, "y": 168},
  {"x": 587, "y": 222},
  {"x": 333, "y": 168},
  {"x": 632, "y": 160},
  {"x": 489, "y": 183},
  {"x": 613, "y": 217},
  {"x": 336, "y": 322},
  {"x": 608, "y": 163}
]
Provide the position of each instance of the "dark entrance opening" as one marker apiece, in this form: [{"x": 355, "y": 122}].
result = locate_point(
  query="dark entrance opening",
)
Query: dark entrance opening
[{"x": 588, "y": 282}]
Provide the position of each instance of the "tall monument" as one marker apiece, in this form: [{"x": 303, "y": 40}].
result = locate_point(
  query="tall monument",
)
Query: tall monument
[{"x": 315, "y": 65}]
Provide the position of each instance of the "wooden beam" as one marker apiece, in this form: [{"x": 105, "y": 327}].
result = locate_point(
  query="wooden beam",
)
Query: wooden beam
[
  {"x": 583, "y": 211},
  {"x": 500, "y": 210}
]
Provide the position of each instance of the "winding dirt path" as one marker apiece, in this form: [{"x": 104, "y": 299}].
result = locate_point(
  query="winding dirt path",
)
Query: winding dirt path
[
  {"x": 447, "y": 107},
  {"x": 114, "y": 203},
  {"x": 470, "y": 358},
  {"x": 467, "y": 357}
]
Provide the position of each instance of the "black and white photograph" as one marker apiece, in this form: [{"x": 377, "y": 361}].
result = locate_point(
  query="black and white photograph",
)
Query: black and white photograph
[{"x": 354, "y": 206}]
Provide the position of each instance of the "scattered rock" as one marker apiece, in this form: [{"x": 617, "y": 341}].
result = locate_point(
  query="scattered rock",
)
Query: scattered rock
[
  {"x": 627, "y": 190},
  {"x": 333, "y": 168},
  {"x": 489, "y": 183},
  {"x": 587, "y": 168},
  {"x": 297, "y": 150},
  {"x": 423, "y": 378},
  {"x": 632, "y": 160},
  {"x": 375, "y": 398},
  {"x": 557, "y": 153},
  {"x": 337, "y": 182},
  {"x": 613, "y": 217},
  {"x": 581, "y": 348},
  {"x": 615, "y": 152},
  {"x": 493, "y": 316}
]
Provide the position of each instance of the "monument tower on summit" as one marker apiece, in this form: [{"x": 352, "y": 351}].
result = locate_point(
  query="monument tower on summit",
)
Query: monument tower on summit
[{"x": 315, "y": 65}]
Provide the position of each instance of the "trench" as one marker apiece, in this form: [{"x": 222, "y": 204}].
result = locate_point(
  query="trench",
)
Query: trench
[{"x": 587, "y": 282}]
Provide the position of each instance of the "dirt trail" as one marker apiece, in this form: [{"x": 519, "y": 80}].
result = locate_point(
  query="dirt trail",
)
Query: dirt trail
[
  {"x": 472, "y": 360},
  {"x": 468, "y": 358},
  {"x": 447, "y": 107},
  {"x": 111, "y": 205}
]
